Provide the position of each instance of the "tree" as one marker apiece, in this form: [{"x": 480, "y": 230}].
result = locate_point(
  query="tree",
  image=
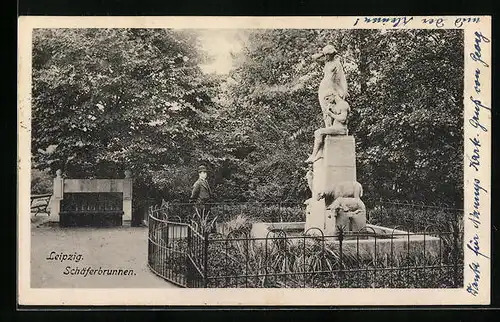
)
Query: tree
[
  {"x": 411, "y": 120},
  {"x": 406, "y": 96},
  {"x": 109, "y": 99},
  {"x": 106, "y": 100}
]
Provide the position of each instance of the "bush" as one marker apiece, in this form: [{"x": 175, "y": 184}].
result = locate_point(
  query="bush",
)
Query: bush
[
  {"x": 243, "y": 262},
  {"x": 260, "y": 212},
  {"x": 254, "y": 212},
  {"x": 41, "y": 181},
  {"x": 415, "y": 218}
]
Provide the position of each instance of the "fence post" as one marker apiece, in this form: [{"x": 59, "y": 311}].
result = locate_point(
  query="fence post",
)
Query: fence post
[
  {"x": 205, "y": 259},
  {"x": 189, "y": 275},
  {"x": 341, "y": 257}
]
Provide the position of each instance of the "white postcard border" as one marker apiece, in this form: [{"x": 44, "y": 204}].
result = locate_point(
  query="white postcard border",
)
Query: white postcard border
[{"x": 336, "y": 297}]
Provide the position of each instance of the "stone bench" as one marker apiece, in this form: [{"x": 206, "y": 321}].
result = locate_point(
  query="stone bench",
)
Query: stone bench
[{"x": 92, "y": 202}]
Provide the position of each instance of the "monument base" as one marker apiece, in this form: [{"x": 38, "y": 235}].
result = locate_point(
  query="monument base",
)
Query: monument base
[{"x": 337, "y": 163}]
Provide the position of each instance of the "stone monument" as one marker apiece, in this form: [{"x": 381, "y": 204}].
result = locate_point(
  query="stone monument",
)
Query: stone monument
[{"x": 332, "y": 174}]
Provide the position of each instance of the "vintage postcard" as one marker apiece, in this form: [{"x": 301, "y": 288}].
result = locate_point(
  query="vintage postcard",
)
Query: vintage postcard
[{"x": 254, "y": 160}]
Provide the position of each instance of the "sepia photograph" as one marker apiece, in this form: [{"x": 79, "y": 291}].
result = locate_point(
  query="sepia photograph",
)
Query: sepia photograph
[{"x": 228, "y": 158}]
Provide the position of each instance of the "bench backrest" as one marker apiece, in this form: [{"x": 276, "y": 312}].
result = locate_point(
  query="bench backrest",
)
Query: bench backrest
[{"x": 92, "y": 201}]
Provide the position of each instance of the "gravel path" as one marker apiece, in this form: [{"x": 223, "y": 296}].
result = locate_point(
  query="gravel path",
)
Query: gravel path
[{"x": 106, "y": 248}]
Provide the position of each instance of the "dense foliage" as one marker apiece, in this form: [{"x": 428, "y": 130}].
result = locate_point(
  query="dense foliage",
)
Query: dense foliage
[
  {"x": 41, "y": 182},
  {"x": 109, "y": 99},
  {"x": 106, "y": 100},
  {"x": 406, "y": 96}
]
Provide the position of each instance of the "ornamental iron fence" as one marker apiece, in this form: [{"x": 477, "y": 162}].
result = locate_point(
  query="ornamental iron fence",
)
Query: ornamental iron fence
[{"x": 211, "y": 245}]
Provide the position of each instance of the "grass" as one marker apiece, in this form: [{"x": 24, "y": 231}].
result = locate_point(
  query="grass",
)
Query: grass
[{"x": 285, "y": 264}]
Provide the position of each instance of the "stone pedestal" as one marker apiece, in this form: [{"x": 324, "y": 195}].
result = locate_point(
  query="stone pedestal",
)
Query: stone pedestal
[
  {"x": 337, "y": 164},
  {"x": 57, "y": 196},
  {"x": 339, "y": 159}
]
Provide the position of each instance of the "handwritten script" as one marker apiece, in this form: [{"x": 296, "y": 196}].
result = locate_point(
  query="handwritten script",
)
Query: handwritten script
[
  {"x": 394, "y": 22},
  {"x": 404, "y": 21},
  {"x": 473, "y": 244}
]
